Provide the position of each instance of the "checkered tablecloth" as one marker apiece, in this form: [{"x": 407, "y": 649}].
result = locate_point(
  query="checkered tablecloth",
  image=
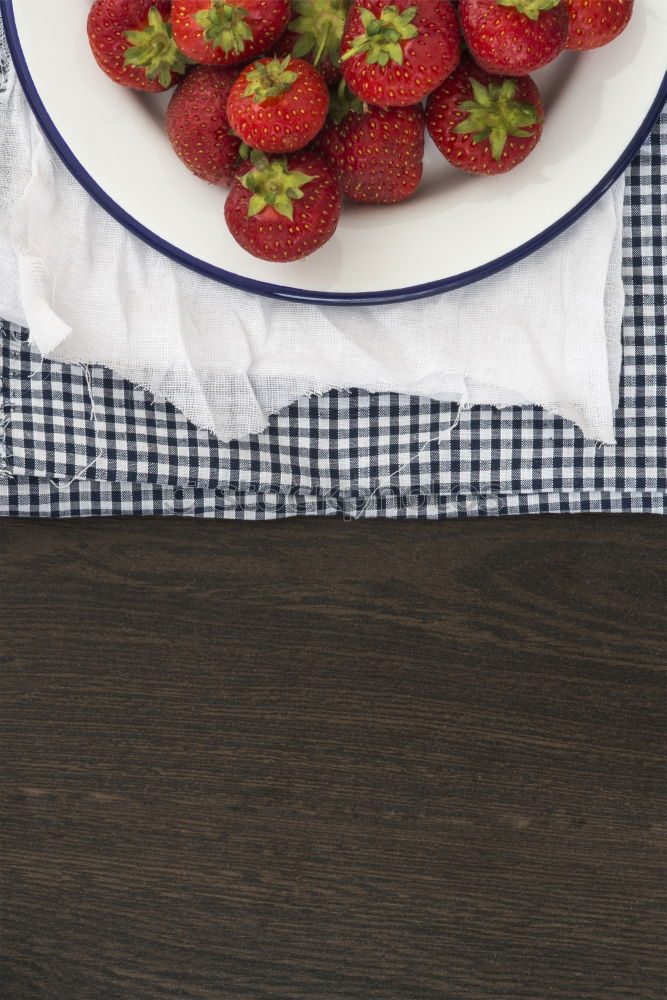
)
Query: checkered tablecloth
[{"x": 77, "y": 441}]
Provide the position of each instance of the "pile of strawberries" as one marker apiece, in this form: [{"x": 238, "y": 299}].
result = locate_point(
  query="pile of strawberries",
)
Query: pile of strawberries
[{"x": 295, "y": 104}]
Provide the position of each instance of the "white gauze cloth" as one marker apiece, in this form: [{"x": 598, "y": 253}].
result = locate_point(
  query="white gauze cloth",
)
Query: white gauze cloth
[{"x": 93, "y": 293}]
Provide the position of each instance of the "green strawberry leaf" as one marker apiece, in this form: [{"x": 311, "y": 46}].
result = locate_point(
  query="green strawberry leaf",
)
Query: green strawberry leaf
[
  {"x": 154, "y": 50},
  {"x": 271, "y": 183},
  {"x": 225, "y": 26},
  {"x": 493, "y": 115},
  {"x": 382, "y": 37}
]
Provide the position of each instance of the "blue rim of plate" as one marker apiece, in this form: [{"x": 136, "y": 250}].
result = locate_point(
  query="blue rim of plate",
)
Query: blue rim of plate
[{"x": 298, "y": 294}]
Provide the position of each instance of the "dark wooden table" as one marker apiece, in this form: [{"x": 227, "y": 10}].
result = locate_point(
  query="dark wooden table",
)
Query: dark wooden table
[{"x": 324, "y": 760}]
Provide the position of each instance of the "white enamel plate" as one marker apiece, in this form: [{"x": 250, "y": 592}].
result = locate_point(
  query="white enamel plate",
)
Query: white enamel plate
[{"x": 457, "y": 228}]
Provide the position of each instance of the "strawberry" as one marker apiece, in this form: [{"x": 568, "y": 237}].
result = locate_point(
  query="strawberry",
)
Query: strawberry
[
  {"x": 377, "y": 153},
  {"x": 132, "y": 42},
  {"x": 227, "y": 32},
  {"x": 198, "y": 127},
  {"x": 315, "y": 34},
  {"x": 285, "y": 208},
  {"x": 484, "y": 124},
  {"x": 395, "y": 53},
  {"x": 593, "y": 23},
  {"x": 514, "y": 37},
  {"x": 278, "y": 106}
]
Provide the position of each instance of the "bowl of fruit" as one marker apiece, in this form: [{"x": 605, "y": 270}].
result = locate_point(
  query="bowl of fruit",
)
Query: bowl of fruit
[{"x": 343, "y": 151}]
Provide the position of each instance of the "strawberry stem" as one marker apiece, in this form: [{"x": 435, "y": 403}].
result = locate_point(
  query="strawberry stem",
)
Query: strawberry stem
[
  {"x": 320, "y": 24},
  {"x": 383, "y": 35},
  {"x": 531, "y": 8},
  {"x": 225, "y": 26},
  {"x": 154, "y": 50},
  {"x": 271, "y": 183},
  {"x": 343, "y": 102},
  {"x": 494, "y": 115},
  {"x": 269, "y": 79}
]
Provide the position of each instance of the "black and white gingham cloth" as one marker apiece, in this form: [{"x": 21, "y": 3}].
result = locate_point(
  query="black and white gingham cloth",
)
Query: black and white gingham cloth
[{"x": 76, "y": 442}]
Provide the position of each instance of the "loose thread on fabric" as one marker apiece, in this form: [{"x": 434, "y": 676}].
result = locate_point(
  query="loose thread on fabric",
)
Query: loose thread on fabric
[
  {"x": 39, "y": 370},
  {"x": 59, "y": 485},
  {"x": 437, "y": 439}
]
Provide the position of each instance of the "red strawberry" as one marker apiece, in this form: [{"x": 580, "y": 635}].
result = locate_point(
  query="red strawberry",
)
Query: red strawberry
[
  {"x": 284, "y": 209},
  {"x": 596, "y": 22},
  {"x": 132, "y": 42},
  {"x": 482, "y": 123},
  {"x": 376, "y": 154},
  {"x": 278, "y": 106},
  {"x": 315, "y": 34},
  {"x": 226, "y": 32},
  {"x": 198, "y": 127},
  {"x": 395, "y": 53},
  {"x": 514, "y": 37}
]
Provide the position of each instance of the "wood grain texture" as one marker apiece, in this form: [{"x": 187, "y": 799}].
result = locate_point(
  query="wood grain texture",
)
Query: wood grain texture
[{"x": 321, "y": 760}]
